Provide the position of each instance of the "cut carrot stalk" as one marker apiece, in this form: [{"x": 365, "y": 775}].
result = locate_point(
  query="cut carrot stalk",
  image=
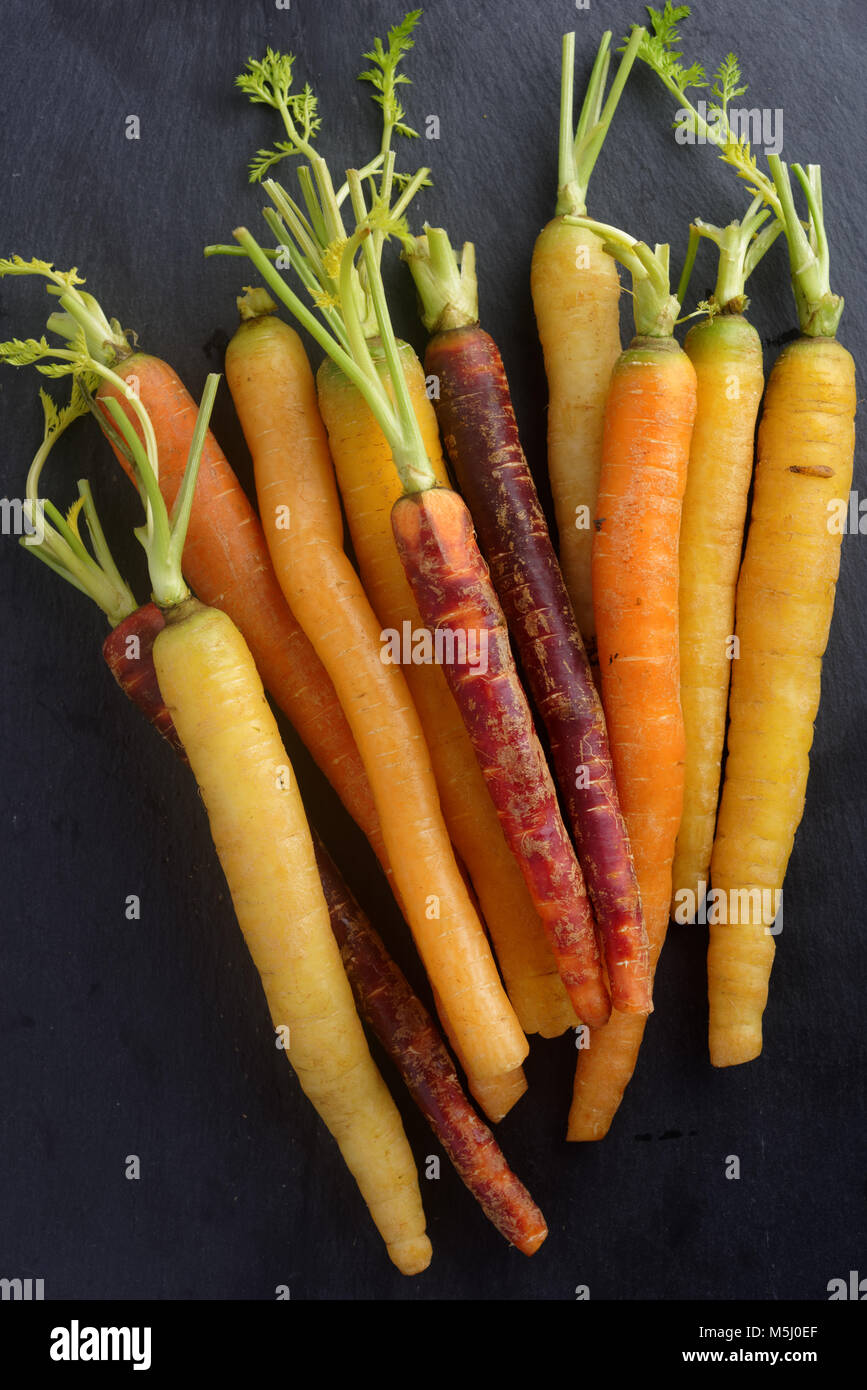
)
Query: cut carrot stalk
[
  {"x": 475, "y": 411},
  {"x": 274, "y": 393},
  {"x": 635, "y": 586},
  {"x": 576, "y": 294}
]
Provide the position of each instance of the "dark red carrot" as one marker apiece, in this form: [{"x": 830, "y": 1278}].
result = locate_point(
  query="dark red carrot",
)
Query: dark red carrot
[
  {"x": 128, "y": 652},
  {"x": 434, "y": 535},
  {"x": 409, "y": 1035},
  {"x": 478, "y": 424}
]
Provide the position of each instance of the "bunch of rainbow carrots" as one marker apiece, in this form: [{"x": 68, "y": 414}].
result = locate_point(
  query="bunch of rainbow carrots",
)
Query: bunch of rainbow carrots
[{"x": 537, "y": 879}]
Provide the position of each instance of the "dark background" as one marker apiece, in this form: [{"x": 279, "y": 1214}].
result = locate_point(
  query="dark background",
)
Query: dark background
[{"x": 152, "y": 1037}]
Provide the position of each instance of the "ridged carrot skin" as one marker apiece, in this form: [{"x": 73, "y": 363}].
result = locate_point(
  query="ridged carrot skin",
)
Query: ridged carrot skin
[
  {"x": 435, "y": 539},
  {"x": 409, "y": 1035},
  {"x": 226, "y": 563},
  {"x": 576, "y": 298},
  {"x": 128, "y": 653},
  {"x": 215, "y": 697},
  {"x": 481, "y": 436},
  {"x": 727, "y": 356},
  {"x": 649, "y": 419},
  {"x": 785, "y": 599},
  {"x": 369, "y": 487}
]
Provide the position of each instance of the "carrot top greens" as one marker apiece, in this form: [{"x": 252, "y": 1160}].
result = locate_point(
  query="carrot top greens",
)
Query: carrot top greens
[
  {"x": 819, "y": 309},
  {"x": 344, "y": 333},
  {"x": 82, "y": 323},
  {"x": 307, "y": 233}
]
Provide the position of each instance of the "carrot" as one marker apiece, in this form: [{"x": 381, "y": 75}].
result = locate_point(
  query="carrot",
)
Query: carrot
[
  {"x": 435, "y": 541},
  {"x": 576, "y": 293},
  {"x": 785, "y": 599},
  {"x": 475, "y": 411},
  {"x": 649, "y": 418},
  {"x": 505, "y": 742},
  {"x": 369, "y": 487},
  {"x": 216, "y": 702},
  {"x": 727, "y": 355},
  {"x": 274, "y": 394}
]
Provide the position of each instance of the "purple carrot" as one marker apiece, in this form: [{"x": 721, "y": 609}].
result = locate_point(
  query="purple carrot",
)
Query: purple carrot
[
  {"x": 409, "y": 1035},
  {"x": 434, "y": 534},
  {"x": 478, "y": 424}
]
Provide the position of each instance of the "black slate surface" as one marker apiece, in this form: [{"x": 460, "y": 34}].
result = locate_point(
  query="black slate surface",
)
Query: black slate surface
[{"x": 151, "y": 1037}]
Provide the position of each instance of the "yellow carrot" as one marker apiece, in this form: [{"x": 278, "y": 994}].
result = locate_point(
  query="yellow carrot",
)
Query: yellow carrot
[
  {"x": 576, "y": 295},
  {"x": 785, "y": 599},
  {"x": 726, "y": 353},
  {"x": 214, "y": 695}
]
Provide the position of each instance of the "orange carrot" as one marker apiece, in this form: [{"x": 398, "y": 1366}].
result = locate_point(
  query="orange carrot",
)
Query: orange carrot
[{"x": 649, "y": 418}]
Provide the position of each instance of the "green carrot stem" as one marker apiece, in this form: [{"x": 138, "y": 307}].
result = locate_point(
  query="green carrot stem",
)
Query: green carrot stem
[
  {"x": 819, "y": 310},
  {"x": 578, "y": 153},
  {"x": 689, "y": 262},
  {"x": 655, "y": 308},
  {"x": 373, "y": 392},
  {"x": 741, "y": 246},
  {"x": 408, "y": 452},
  {"x": 448, "y": 291}
]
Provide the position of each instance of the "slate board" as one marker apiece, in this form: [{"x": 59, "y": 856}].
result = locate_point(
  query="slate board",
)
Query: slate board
[{"x": 151, "y": 1037}]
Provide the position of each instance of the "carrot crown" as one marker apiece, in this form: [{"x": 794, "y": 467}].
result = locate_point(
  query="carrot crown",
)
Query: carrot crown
[
  {"x": 654, "y": 307},
  {"x": 579, "y": 147},
  {"x": 741, "y": 246},
  {"x": 447, "y": 286},
  {"x": 819, "y": 310},
  {"x": 86, "y": 358}
]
